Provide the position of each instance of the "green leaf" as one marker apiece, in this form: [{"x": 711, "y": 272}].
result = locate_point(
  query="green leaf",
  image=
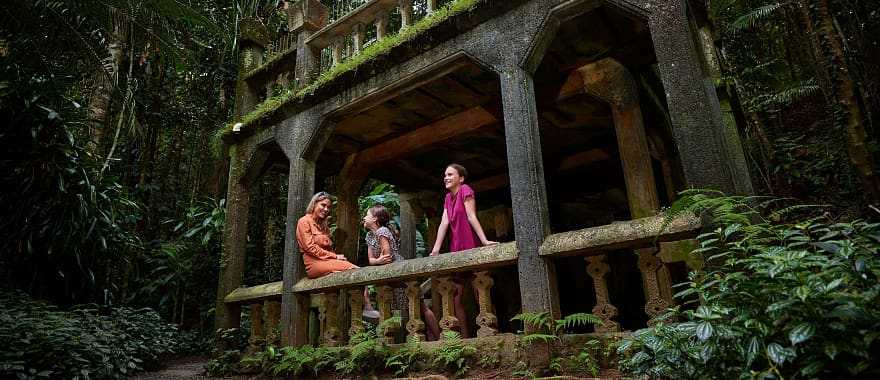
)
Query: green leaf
[
  {"x": 801, "y": 333},
  {"x": 704, "y": 331}
]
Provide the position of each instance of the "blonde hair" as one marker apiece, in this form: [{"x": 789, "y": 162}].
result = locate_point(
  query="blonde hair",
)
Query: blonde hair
[{"x": 319, "y": 196}]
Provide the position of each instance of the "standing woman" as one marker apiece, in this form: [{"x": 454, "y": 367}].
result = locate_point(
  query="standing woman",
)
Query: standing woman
[
  {"x": 460, "y": 219},
  {"x": 313, "y": 236}
]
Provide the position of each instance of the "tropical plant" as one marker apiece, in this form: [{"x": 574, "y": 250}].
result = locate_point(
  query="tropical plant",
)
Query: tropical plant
[
  {"x": 453, "y": 354},
  {"x": 778, "y": 299},
  {"x": 543, "y": 329},
  {"x": 44, "y": 342},
  {"x": 411, "y": 357}
]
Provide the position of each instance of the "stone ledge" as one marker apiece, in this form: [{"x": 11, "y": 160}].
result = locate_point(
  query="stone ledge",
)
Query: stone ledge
[
  {"x": 631, "y": 233},
  {"x": 421, "y": 268},
  {"x": 465, "y": 261}
]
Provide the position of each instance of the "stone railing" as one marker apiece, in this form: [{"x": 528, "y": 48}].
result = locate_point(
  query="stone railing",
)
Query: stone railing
[
  {"x": 408, "y": 273},
  {"x": 594, "y": 243}
]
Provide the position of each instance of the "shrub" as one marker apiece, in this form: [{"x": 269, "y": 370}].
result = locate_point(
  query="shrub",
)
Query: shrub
[
  {"x": 453, "y": 354},
  {"x": 43, "y": 342},
  {"x": 777, "y": 300}
]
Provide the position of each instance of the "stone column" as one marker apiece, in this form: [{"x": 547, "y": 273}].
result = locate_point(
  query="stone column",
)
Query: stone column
[
  {"x": 360, "y": 34},
  {"x": 487, "y": 320},
  {"x": 356, "y": 300},
  {"x": 273, "y": 315},
  {"x": 610, "y": 81},
  {"x": 711, "y": 154},
  {"x": 406, "y": 13},
  {"x": 232, "y": 257},
  {"x": 258, "y": 334},
  {"x": 247, "y": 96},
  {"x": 295, "y": 307},
  {"x": 409, "y": 217},
  {"x": 306, "y": 17},
  {"x": 384, "y": 297},
  {"x": 537, "y": 277},
  {"x": 331, "y": 334},
  {"x": 598, "y": 269},
  {"x": 381, "y": 26},
  {"x": 336, "y": 50},
  {"x": 415, "y": 326},
  {"x": 448, "y": 321}
]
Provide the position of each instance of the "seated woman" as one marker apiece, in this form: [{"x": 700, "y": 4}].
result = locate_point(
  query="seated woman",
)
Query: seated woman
[
  {"x": 313, "y": 236},
  {"x": 383, "y": 247}
]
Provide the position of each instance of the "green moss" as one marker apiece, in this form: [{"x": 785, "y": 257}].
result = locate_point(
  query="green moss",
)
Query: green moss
[{"x": 371, "y": 52}]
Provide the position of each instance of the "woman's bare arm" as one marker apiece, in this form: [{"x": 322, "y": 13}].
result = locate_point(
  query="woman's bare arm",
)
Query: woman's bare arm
[
  {"x": 470, "y": 205},
  {"x": 441, "y": 234}
]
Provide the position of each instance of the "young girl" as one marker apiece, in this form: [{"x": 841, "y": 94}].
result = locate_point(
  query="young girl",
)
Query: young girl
[
  {"x": 465, "y": 231},
  {"x": 383, "y": 247}
]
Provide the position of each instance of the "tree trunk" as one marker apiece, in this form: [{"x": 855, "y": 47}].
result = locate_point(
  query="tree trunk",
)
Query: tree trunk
[
  {"x": 106, "y": 76},
  {"x": 849, "y": 112}
]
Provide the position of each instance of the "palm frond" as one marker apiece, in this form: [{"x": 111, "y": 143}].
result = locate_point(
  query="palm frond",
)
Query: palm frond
[{"x": 786, "y": 97}]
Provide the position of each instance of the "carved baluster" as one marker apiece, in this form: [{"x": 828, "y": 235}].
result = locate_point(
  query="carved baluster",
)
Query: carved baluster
[
  {"x": 648, "y": 265},
  {"x": 406, "y": 13},
  {"x": 486, "y": 319},
  {"x": 383, "y": 298},
  {"x": 356, "y": 300},
  {"x": 331, "y": 320},
  {"x": 598, "y": 269},
  {"x": 257, "y": 338},
  {"x": 273, "y": 315},
  {"x": 447, "y": 291},
  {"x": 415, "y": 326}
]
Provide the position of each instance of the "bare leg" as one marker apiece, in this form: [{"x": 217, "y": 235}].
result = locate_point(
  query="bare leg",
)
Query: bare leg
[
  {"x": 432, "y": 332},
  {"x": 459, "y": 311},
  {"x": 368, "y": 311}
]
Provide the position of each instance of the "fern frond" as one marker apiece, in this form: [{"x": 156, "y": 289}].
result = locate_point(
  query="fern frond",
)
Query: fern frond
[
  {"x": 534, "y": 320},
  {"x": 578, "y": 319},
  {"x": 534, "y": 338},
  {"x": 785, "y": 97},
  {"x": 755, "y": 17}
]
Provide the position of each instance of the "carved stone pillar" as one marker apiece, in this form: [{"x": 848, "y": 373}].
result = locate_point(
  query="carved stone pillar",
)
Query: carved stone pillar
[
  {"x": 273, "y": 315},
  {"x": 598, "y": 269},
  {"x": 415, "y": 326},
  {"x": 409, "y": 216},
  {"x": 384, "y": 297},
  {"x": 447, "y": 290},
  {"x": 381, "y": 26},
  {"x": 360, "y": 35},
  {"x": 258, "y": 334},
  {"x": 330, "y": 334},
  {"x": 336, "y": 50},
  {"x": 406, "y": 13},
  {"x": 487, "y": 320},
  {"x": 356, "y": 300}
]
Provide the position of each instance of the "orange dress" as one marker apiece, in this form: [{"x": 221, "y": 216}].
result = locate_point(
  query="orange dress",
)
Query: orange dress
[{"x": 317, "y": 249}]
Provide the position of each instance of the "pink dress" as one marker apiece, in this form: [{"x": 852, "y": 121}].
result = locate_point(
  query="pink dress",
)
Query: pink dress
[{"x": 461, "y": 235}]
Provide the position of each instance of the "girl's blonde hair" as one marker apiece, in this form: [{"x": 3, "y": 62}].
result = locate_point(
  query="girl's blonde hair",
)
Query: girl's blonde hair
[{"x": 319, "y": 196}]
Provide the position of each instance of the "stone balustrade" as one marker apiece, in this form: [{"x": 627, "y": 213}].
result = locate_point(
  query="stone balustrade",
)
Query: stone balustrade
[{"x": 594, "y": 243}]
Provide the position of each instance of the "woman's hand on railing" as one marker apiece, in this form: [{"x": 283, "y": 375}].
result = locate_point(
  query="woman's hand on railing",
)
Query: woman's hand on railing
[
  {"x": 381, "y": 260},
  {"x": 341, "y": 257},
  {"x": 490, "y": 242},
  {"x": 435, "y": 252}
]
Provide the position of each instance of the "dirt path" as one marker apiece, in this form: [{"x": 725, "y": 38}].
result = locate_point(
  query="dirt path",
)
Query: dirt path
[{"x": 180, "y": 369}]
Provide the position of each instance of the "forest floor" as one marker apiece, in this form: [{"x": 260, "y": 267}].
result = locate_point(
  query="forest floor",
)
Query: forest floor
[{"x": 192, "y": 367}]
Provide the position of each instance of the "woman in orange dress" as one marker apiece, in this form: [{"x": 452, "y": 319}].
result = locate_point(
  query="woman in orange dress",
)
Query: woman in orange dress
[{"x": 313, "y": 236}]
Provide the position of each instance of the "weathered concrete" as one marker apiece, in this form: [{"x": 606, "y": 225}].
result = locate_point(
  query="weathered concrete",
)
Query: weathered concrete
[
  {"x": 232, "y": 257},
  {"x": 527, "y": 191},
  {"x": 631, "y": 233}
]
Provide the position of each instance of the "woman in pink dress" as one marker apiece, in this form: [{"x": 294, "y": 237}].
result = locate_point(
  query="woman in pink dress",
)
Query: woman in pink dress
[{"x": 460, "y": 219}]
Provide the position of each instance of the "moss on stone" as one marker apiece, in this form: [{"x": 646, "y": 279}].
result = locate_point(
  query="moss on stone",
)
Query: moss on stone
[{"x": 370, "y": 53}]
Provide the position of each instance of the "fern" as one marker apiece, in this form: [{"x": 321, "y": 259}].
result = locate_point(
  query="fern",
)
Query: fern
[
  {"x": 577, "y": 319},
  {"x": 786, "y": 97},
  {"x": 756, "y": 17},
  {"x": 408, "y": 358},
  {"x": 453, "y": 353}
]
